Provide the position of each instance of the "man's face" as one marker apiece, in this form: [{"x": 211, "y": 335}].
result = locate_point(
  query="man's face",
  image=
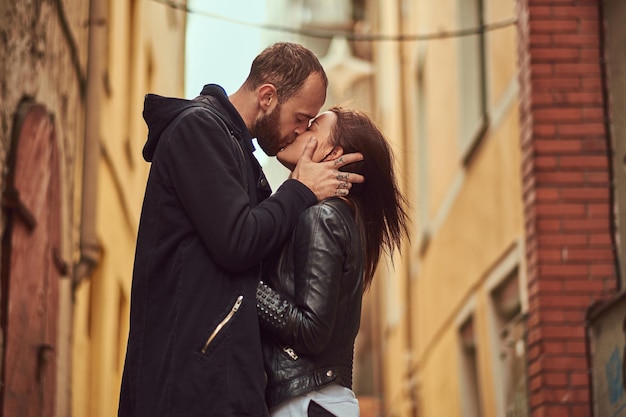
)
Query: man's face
[
  {"x": 286, "y": 121},
  {"x": 267, "y": 131}
]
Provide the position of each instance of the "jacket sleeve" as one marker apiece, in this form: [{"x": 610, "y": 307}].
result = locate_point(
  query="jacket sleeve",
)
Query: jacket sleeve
[
  {"x": 306, "y": 323},
  {"x": 202, "y": 165}
]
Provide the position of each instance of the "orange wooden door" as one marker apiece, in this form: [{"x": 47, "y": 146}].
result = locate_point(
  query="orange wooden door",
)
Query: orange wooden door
[{"x": 30, "y": 278}]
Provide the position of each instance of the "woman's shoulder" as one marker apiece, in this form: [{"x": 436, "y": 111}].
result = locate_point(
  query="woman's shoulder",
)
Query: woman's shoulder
[{"x": 330, "y": 209}]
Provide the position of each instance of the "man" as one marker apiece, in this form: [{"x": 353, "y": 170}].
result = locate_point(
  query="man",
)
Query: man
[{"x": 208, "y": 221}]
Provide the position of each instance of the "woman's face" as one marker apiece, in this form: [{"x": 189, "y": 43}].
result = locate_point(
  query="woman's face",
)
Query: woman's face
[{"x": 321, "y": 127}]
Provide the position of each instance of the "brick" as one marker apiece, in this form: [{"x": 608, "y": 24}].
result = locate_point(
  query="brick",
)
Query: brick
[
  {"x": 566, "y": 363},
  {"x": 582, "y": 410},
  {"x": 564, "y": 271},
  {"x": 558, "y": 114},
  {"x": 575, "y": 316},
  {"x": 580, "y": 129},
  {"x": 583, "y": 286},
  {"x": 586, "y": 194},
  {"x": 541, "y": 69},
  {"x": 546, "y": 162},
  {"x": 579, "y": 378},
  {"x": 534, "y": 335},
  {"x": 590, "y": 54},
  {"x": 537, "y": 39},
  {"x": 559, "y": 11},
  {"x": 539, "y": 11},
  {"x": 544, "y": 130},
  {"x": 574, "y": 240},
  {"x": 585, "y": 98},
  {"x": 576, "y": 68},
  {"x": 585, "y": 161},
  {"x": 557, "y": 146},
  {"x": 593, "y": 114},
  {"x": 597, "y": 145},
  {"x": 543, "y": 99},
  {"x": 597, "y": 177},
  {"x": 581, "y": 301},
  {"x": 550, "y": 286},
  {"x": 575, "y": 40},
  {"x": 556, "y": 379},
  {"x": 548, "y": 225},
  {"x": 561, "y": 210},
  {"x": 535, "y": 383},
  {"x": 555, "y": 55},
  {"x": 562, "y": 332},
  {"x": 584, "y": 224},
  {"x": 565, "y": 395},
  {"x": 595, "y": 211},
  {"x": 576, "y": 347},
  {"x": 588, "y": 26},
  {"x": 590, "y": 83},
  {"x": 554, "y": 316},
  {"x": 545, "y": 194},
  {"x": 590, "y": 254},
  {"x": 602, "y": 270},
  {"x": 556, "y": 83},
  {"x": 554, "y": 26},
  {"x": 533, "y": 353},
  {"x": 560, "y": 178}
]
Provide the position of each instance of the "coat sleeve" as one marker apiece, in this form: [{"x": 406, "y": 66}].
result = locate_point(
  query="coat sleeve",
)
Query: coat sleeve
[
  {"x": 203, "y": 168},
  {"x": 306, "y": 323}
]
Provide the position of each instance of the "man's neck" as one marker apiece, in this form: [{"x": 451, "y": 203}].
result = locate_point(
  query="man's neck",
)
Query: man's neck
[{"x": 245, "y": 104}]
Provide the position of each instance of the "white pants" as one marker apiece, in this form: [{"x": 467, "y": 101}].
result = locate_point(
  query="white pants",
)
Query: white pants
[{"x": 337, "y": 399}]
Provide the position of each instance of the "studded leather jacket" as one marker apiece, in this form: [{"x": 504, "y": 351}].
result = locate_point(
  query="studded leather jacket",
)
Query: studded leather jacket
[{"x": 310, "y": 303}]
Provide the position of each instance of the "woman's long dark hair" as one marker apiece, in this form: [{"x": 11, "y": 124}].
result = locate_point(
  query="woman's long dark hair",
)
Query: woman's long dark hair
[{"x": 381, "y": 208}]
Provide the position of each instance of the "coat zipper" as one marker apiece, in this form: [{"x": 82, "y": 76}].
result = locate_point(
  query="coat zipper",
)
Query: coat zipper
[
  {"x": 223, "y": 323},
  {"x": 292, "y": 353}
]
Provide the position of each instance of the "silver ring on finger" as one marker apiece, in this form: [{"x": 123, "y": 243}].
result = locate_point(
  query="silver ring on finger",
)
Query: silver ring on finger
[{"x": 341, "y": 192}]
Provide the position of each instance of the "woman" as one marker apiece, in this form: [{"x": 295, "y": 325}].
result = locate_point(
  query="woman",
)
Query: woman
[{"x": 310, "y": 302}]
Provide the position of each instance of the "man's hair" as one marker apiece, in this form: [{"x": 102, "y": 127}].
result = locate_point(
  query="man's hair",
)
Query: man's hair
[{"x": 286, "y": 66}]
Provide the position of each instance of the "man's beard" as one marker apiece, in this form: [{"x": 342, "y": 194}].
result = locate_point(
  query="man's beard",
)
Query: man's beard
[{"x": 267, "y": 133}]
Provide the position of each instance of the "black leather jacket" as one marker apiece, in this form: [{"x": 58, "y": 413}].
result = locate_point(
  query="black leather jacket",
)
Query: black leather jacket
[{"x": 310, "y": 311}]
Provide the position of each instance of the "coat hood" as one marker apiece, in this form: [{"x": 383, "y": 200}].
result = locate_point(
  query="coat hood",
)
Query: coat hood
[{"x": 159, "y": 112}]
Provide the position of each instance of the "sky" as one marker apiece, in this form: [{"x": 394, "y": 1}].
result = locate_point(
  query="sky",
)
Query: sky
[{"x": 220, "y": 52}]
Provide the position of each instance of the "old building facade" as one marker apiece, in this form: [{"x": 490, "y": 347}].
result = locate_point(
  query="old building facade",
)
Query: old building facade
[
  {"x": 506, "y": 116},
  {"x": 73, "y": 75}
]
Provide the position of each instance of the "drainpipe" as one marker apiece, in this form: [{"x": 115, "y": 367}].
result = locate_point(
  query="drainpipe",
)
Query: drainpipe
[{"x": 90, "y": 249}]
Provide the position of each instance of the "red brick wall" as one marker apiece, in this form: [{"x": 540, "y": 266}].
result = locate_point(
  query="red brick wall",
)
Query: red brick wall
[{"x": 566, "y": 196}]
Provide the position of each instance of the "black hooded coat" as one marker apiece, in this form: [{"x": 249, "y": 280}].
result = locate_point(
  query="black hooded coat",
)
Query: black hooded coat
[{"x": 207, "y": 222}]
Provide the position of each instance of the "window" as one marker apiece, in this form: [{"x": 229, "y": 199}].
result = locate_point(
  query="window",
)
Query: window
[
  {"x": 472, "y": 79},
  {"x": 510, "y": 346},
  {"x": 470, "y": 387}
]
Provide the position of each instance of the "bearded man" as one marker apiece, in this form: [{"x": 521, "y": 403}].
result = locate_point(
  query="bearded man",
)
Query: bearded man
[{"x": 208, "y": 220}]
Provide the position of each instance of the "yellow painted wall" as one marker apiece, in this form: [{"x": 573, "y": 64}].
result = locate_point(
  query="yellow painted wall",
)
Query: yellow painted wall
[
  {"x": 145, "y": 53},
  {"x": 474, "y": 211}
]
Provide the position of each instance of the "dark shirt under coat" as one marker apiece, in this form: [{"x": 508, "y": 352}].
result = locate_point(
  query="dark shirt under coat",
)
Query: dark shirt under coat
[{"x": 207, "y": 222}]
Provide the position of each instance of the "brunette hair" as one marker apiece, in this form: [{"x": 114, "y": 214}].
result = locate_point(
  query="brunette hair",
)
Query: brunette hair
[
  {"x": 286, "y": 66},
  {"x": 380, "y": 207}
]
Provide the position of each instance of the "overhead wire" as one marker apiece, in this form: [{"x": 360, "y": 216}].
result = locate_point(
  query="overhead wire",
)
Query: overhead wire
[{"x": 351, "y": 36}]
